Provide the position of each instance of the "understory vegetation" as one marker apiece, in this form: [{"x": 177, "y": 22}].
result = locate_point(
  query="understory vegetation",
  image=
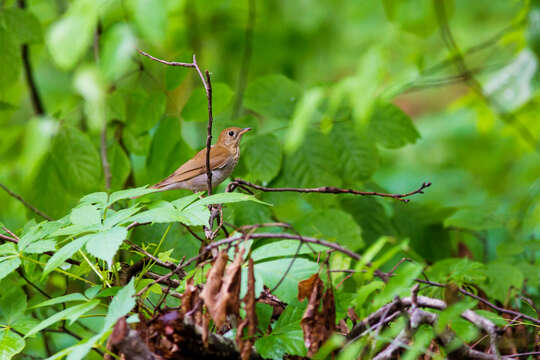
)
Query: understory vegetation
[{"x": 385, "y": 205}]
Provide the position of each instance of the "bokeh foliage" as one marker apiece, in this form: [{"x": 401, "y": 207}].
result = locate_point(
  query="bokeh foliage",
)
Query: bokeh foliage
[{"x": 355, "y": 94}]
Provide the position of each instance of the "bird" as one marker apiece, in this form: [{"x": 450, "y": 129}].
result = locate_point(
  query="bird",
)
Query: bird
[{"x": 224, "y": 156}]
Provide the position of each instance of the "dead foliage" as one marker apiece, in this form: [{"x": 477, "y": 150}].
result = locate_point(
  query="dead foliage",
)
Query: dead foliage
[
  {"x": 317, "y": 324},
  {"x": 246, "y": 344},
  {"x": 222, "y": 290}
]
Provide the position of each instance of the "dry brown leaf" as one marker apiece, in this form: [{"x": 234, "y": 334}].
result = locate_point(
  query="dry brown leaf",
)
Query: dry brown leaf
[
  {"x": 267, "y": 298},
  {"x": 222, "y": 290},
  {"x": 305, "y": 287},
  {"x": 317, "y": 325},
  {"x": 245, "y": 345}
]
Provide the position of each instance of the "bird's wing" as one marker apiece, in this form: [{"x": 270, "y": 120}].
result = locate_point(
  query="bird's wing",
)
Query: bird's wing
[{"x": 196, "y": 166}]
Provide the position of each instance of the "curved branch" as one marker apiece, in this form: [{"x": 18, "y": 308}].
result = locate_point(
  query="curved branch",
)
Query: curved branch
[{"x": 326, "y": 190}]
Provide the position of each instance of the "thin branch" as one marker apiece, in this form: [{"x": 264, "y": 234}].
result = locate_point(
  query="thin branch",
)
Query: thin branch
[
  {"x": 37, "y": 104},
  {"x": 26, "y": 203},
  {"x": 104, "y": 159},
  {"x": 327, "y": 190}
]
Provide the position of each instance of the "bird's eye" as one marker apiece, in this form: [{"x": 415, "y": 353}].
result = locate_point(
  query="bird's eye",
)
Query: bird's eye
[{"x": 231, "y": 133}]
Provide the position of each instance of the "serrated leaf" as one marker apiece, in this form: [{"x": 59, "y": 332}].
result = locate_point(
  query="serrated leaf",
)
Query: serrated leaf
[
  {"x": 129, "y": 193},
  {"x": 262, "y": 155},
  {"x": 85, "y": 215},
  {"x": 500, "y": 279},
  {"x": 8, "y": 265},
  {"x": 8, "y": 249},
  {"x": 41, "y": 246},
  {"x": 10, "y": 344},
  {"x": 119, "y": 217},
  {"x": 398, "y": 284},
  {"x": 332, "y": 225},
  {"x": 105, "y": 244},
  {"x": 286, "y": 337},
  {"x": 76, "y": 160},
  {"x": 64, "y": 253},
  {"x": 62, "y": 299},
  {"x": 312, "y": 165},
  {"x": 224, "y": 198},
  {"x": 97, "y": 198},
  {"x": 70, "y": 37},
  {"x": 391, "y": 127},
  {"x": 358, "y": 155},
  {"x": 71, "y": 313},
  {"x": 120, "y": 305},
  {"x": 196, "y": 108},
  {"x": 273, "y": 96},
  {"x": 370, "y": 215}
]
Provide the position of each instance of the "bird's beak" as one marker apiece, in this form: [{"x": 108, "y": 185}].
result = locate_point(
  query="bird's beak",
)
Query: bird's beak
[{"x": 244, "y": 130}]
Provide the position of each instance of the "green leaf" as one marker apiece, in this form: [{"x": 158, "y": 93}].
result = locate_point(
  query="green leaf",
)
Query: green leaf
[
  {"x": 89, "y": 83},
  {"x": 144, "y": 109},
  {"x": 151, "y": 18},
  {"x": 224, "y": 198},
  {"x": 271, "y": 272},
  {"x": 120, "y": 165},
  {"x": 273, "y": 96},
  {"x": 71, "y": 313},
  {"x": 10, "y": 344},
  {"x": 391, "y": 127},
  {"x": 23, "y": 24},
  {"x": 332, "y": 225},
  {"x": 313, "y": 164},
  {"x": 500, "y": 279},
  {"x": 398, "y": 284},
  {"x": 40, "y": 247},
  {"x": 370, "y": 215},
  {"x": 76, "y": 160},
  {"x": 97, "y": 198},
  {"x": 474, "y": 218},
  {"x": 137, "y": 144},
  {"x": 8, "y": 265},
  {"x": 196, "y": 108},
  {"x": 120, "y": 305},
  {"x": 62, "y": 299},
  {"x": 104, "y": 245},
  {"x": 119, "y": 45},
  {"x": 168, "y": 150},
  {"x": 262, "y": 156},
  {"x": 10, "y": 59},
  {"x": 8, "y": 249},
  {"x": 305, "y": 113},
  {"x": 357, "y": 154},
  {"x": 176, "y": 74},
  {"x": 129, "y": 193},
  {"x": 85, "y": 215},
  {"x": 119, "y": 217},
  {"x": 70, "y": 37},
  {"x": 287, "y": 336},
  {"x": 64, "y": 253}
]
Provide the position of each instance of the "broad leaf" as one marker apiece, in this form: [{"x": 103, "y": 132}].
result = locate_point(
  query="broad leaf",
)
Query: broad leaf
[
  {"x": 104, "y": 245},
  {"x": 8, "y": 265},
  {"x": 71, "y": 313},
  {"x": 196, "y": 109},
  {"x": 119, "y": 44},
  {"x": 41, "y": 246},
  {"x": 64, "y": 253},
  {"x": 273, "y": 96},
  {"x": 391, "y": 127},
  {"x": 10, "y": 59},
  {"x": 10, "y": 344},
  {"x": 85, "y": 215},
  {"x": 120, "y": 306},
  {"x": 23, "y": 24},
  {"x": 224, "y": 198},
  {"x": 151, "y": 18},
  {"x": 262, "y": 156}
]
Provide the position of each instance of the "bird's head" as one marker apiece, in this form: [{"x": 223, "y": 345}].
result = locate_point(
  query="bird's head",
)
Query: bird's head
[{"x": 230, "y": 137}]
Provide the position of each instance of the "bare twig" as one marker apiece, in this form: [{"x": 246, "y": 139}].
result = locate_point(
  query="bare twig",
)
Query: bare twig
[
  {"x": 26, "y": 203},
  {"x": 327, "y": 190}
]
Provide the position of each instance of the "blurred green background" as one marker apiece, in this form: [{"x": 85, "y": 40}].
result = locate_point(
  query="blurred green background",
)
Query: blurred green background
[{"x": 372, "y": 95}]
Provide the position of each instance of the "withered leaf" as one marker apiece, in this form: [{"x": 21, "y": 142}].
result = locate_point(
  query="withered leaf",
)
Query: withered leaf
[
  {"x": 305, "y": 287},
  {"x": 222, "y": 290},
  {"x": 318, "y": 325},
  {"x": 245, "y": 345}
]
